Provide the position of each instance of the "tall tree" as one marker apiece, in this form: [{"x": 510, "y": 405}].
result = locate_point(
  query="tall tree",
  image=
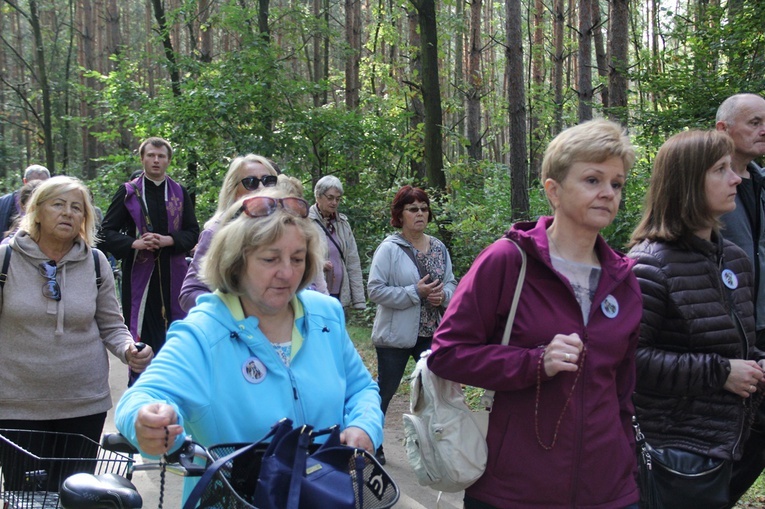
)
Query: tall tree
[
  {"x": 431, "y": 93},
  {"x": 40, "y": 71},
  {"x": 516, "y": 100},
  {"x": 618, "y": 44},
  {"x": 585, "y": 60},
  {"x": 558, "y": 56},
  {"x": 353, "y": 39},
  {"x": 475, "y": 83}
]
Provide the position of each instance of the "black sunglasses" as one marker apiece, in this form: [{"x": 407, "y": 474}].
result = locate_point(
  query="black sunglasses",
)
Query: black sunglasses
[
  {"x": 50, "y": 288},
  {"x": 252, "y": 183},
  {"x": 262, "y": 206}
]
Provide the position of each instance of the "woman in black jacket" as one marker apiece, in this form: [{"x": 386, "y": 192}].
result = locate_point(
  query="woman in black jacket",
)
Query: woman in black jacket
[{"x": 697, "y": 367}]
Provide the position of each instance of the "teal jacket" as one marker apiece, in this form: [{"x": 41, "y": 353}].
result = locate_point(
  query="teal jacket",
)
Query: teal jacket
[{"x": 227, "y": 383}]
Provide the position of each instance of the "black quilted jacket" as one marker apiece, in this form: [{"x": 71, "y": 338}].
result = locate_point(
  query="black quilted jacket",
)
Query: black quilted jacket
[{"x": 687, "y": 336}]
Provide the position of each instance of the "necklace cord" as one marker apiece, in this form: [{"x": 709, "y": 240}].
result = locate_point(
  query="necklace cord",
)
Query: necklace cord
[{"x": 565, "y": 405}]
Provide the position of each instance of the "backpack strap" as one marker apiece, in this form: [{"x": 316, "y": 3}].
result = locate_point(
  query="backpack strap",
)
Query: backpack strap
[
  {"x": 487, "y": 400},
  {"x": 6, "y": 264},
  {"x": 96, "y": 264}
]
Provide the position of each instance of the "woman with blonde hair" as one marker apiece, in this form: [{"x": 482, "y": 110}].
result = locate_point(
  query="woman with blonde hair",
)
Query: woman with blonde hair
[
  {"x": 560, "y": 433},
  {"x": 259, "y": 348},
  {"x": 57, "y": 324},
  {"x": 246, "y": 174}
]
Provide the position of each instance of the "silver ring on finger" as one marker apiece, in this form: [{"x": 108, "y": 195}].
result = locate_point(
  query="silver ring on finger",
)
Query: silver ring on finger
[
  {"x": 752, "y": 388},
  {"x": 567, "y": 357}
]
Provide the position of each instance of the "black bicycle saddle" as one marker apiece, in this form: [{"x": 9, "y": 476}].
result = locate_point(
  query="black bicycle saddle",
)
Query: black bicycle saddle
[{"x": 105, "y": 491}]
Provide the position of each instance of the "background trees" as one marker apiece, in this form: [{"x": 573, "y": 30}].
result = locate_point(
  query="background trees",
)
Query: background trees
[{"x": 461, "y": 97}]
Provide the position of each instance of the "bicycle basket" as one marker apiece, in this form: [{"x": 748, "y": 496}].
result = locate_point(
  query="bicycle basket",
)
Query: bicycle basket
[
  {"x": 33, "y": 465},
  {"x": 233, "y": 486}
]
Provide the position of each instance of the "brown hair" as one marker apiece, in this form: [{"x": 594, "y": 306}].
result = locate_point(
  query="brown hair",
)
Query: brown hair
[
  {"x": 156, "y": 142},
  {"x": 404, "y": 197},
  {"x": 676, "y": 203}
]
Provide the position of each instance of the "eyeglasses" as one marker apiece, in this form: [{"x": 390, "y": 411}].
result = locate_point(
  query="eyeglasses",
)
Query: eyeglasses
[
  {"x": 252, "y": 183},
  {"x": 50, "y": 288},
  {"x": 262, "y": 206},
  {"x": 331, "y": 198},
  {"x": 424, "y": 209}
]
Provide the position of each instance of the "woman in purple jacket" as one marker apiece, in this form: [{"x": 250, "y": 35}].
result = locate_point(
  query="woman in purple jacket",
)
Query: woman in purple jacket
[{"x": 560, "y": 433}]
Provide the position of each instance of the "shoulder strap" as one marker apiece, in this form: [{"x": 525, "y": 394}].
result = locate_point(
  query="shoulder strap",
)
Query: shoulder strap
[
  {"x": 97, "y": 265},
  {"x": 329, "y": 236},
  {"x": 487, "y": 400},
  {"x": 6, "y": 264},
  {"x": 411, "y": 256}
]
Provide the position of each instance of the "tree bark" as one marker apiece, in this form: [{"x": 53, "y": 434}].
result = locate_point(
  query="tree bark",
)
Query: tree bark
[
  {"x": 516, "y": 100},
  {"x": 353, "y": 39},
  {"x": 167, "y": 44},
  {"x": 618, "y": 41},
  {"x": 558, "y": 21},
  {"x": 585, "y": 60},
  {"x": 431, "y": 93},
  {"x": 42, "y": 80},
  {"x": 475, "y": 80}
]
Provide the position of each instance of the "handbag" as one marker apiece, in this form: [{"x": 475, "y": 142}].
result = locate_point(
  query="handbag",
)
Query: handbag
[
  {"x": 445, "y": 440},
  {"x": 672, "y": 478},
  {"x": 293, "y": 472}
]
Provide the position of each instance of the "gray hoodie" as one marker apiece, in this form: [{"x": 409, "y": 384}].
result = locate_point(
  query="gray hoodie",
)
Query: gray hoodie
[{"x": 53, "y": 360}]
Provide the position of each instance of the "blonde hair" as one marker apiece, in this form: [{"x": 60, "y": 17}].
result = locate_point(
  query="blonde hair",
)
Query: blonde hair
[
  {"x": 594, "y": 141},
  {"x": 225, "y": 263},
  {"x": 51, "y": 189},
  {"x": 227, "y": 194}
]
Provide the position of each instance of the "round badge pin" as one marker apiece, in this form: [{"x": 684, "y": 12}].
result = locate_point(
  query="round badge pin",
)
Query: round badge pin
[
  {"x": 729, "y": 279},
  {"x": 254, "y": 370},
  {"x": 610, "y": 306}
]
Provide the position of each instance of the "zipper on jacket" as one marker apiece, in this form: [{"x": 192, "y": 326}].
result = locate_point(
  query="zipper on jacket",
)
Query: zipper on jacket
[{"x": 727, "y": 296}]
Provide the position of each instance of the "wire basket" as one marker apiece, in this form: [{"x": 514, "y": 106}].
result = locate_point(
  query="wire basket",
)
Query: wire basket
[
  {"x": 233, "y": 486},
  {"x": 33, "y": 465}
]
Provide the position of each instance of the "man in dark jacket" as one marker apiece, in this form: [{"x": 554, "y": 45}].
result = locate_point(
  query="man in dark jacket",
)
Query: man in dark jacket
[
  {"x": 9, "y": 203},
  {"x": 742, "y": 116},
  {"x": 151, "y": 226}
]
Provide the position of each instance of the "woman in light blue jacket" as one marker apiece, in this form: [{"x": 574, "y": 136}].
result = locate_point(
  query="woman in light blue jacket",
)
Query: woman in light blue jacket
[
  {"x": 258, "y": 349},
  {"x": 411, "y": 281}
]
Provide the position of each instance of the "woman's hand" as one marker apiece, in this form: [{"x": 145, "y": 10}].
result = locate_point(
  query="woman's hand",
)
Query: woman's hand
[
  {"x": 562, "y": 354},
  {"x": 424, "y": 289},
  {"x": 156, "y": 428},
  {"x": 744, "y": 377},
  {"x": 138, "y": 360},
  {"x": 436, "y": 295},
  {"x": 357, "y": 437}
]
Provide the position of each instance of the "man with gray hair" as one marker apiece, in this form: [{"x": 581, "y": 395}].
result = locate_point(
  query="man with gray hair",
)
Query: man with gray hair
[
  {"x": 9, "y": 203},
  {"x": 742, "y": 116}
]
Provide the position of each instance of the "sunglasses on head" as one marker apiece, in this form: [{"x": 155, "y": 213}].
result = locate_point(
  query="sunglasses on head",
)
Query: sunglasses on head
[
  {"x": 50, "y": 288},
  {"x": 262, "y": 206},
  {"x": 252, "y": 183}
]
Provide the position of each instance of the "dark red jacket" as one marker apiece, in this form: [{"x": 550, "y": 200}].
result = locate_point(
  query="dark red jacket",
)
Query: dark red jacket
[{"x": 593, "y": 462}]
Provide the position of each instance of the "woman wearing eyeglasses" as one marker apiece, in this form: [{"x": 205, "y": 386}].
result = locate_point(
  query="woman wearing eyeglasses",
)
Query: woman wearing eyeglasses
[
  {"x": 245, "y": 175},
  {"x": 57, "y": 322},
  {"x": 411, "y": 281},
  {"x": 258, "y": 348},
  {"x": 342, "y": 268}
]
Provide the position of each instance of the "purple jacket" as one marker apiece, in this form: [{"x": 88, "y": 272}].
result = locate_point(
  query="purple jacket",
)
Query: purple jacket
[{"x": 592, "y": 464}]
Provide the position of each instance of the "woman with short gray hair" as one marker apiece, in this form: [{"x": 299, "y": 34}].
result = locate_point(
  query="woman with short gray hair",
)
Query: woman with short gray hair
[{"x": 342, "y": 268}]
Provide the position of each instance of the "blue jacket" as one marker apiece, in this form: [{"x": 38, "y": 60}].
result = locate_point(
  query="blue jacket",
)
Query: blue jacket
[{"x": 202, "y": 372}]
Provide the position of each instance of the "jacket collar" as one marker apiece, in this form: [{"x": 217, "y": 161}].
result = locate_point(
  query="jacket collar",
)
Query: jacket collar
[{"x": 532, "y": 237}]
